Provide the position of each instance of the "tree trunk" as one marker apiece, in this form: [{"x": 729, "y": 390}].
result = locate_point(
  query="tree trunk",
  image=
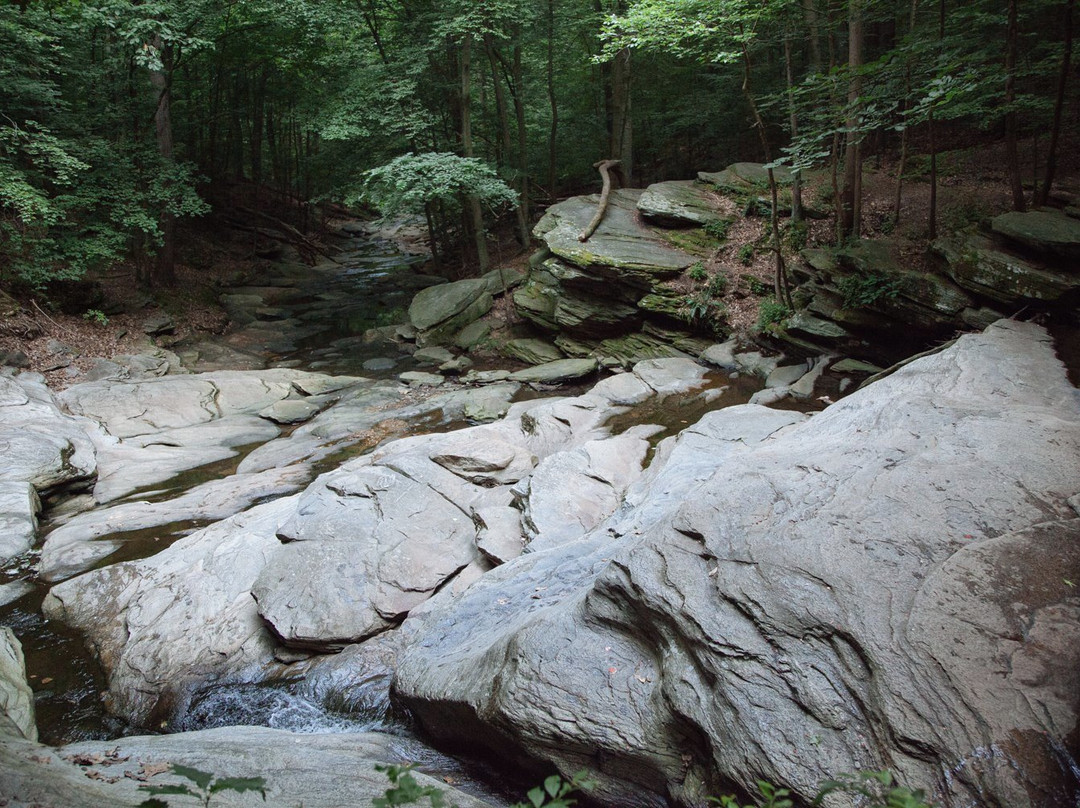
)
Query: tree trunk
[
  {"x": 524, "y": 213},
  {"x": 793, "y": 122},
  {"x": 164, "y": 271},
  {"x": 932, "y": 229},
  {"x": 780, "y": 281},
  {"x": 902, "y": 164},
  {"x": 852, "y": 190},
  {"x": 1012, "y": 123},
  {"x": 813, "y": 33},
  {"x": 621, "y": 143},
  {"x": 553, "y": 133},
  {"x": 474, "y": 214},
  {"x": 1059, "y": 107}
]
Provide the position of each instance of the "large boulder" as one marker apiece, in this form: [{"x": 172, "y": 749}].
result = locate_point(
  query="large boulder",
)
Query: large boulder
[
  {"x": 621, "y": 247},
  {"x": 886, "y": 585},
  {"x": 439, "y": 312},
  {"x": 16, "y": 697},
  {"x": 680, "y": 204},
  {"x": 1049, "y": 233}
]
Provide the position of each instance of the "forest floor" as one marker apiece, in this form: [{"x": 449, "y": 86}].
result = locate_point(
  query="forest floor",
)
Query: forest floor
[{"x": 972, "y": 187}]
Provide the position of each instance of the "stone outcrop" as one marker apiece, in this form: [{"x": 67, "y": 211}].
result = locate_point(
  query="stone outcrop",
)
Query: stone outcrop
[
  {"x": 360, "y": 549},
  {"x": 778, "y": 600}
]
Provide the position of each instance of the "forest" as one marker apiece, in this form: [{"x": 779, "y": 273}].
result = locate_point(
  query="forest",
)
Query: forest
[{"x": 123, "y": 120}]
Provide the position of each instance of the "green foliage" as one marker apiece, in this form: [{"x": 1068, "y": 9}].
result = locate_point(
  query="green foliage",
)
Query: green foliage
[
  {"x": 697, "y": 272},
  {"x": 204, "y": 786},
  {"x": 96, "y": 316},
  {"x": 795, "y": 235},
  {"x": 772, "y": 797},
  {"x": 757, "y": 286},
  {"x": 717, "y": 228},
  {"x": 717, "y": 285},
  {"x": 877, "y": 790},
  {"x": 772, "y": 312},
  {"x": 557, "y": 792},
  {"x": 404, "y": 790},
  {"x": 409, "y": 182},
  {"x": 874, "y": 790},
  {"x": 866, "y": 290},
  {"x": 746, "y": 254}
]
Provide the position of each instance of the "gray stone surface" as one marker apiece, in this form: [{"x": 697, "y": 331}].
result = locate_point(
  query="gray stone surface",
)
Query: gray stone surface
[
  {"x": 435, "y": 306},
  {"x": 167, "y": 624},
  {"x": 783, "y": 602},
  {"x": 19, "y": 508},
  {"x": 314, "y": 770},
  {"x": 620, "y": 243},
  {"x": 786, "y": 375},
  {"x": 16, "y": 697},
  {"x": 1048, "y": 232},
  {"x": 721, "y": 355},
  {"x": 500, "y": 535},
  {"x": 679, "y": 203},
  {"x": 289, "y": 411},
  {"x": 76, "y": 545},
  {"x": 560, "y": 370},
  {"x": 418, "y": 378},
  {"x": 533, "y": 351}
]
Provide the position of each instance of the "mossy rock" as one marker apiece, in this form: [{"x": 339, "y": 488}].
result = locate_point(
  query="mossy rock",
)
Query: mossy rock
[
  {"x": 679, "y": 203},
  {"x": 1047, "y": 232},
  {"x": 535, "y": 301},
  {"x": 978, "y": 265},
  {"x": 533, "y": 351}
]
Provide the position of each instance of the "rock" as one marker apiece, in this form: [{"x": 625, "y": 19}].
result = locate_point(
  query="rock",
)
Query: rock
[
  {"x": 488, "y": 464},
  {"x": 456, "y": 366},
  {"x": 14, "y": 359},
  {"x": 16, "y": 697},
  {"x": 532, "y": 351},
  {"x": 737, "y": 618},
  {"x": 58, "y": 348},
  {"x": 620, "y": 247},
  {"x": 11, "y": 592},
  {"x": 978, "y": 265},
  {"x": 485, "y": 376},
  {"x": 241, "y": 307},
  {"x": 807, "y": 326},
  {"x": 1047, "y": 232},
  {"x": 500, "y": 281},
  {"x": 325, "y": 770},
  {"x": 77, "y": 544},
  {"x": 745, "y": 176},
  {"x": 164, "y": 626},
  {"x": 590, "y": 316},
  {"x": 379, "y": 363},
  {"x": 561, "y": 370},
  {"x": 289, "y": 411},
  {"x": 439, "y": 312},
  {"x": 854, "y": 366},
  {"x": 786, "y": 375},
  {"x": 19, "y": 506},
  {"x": 721, "y": 355},
  {"x": 472, "y": 335},
  {"x": 667, "y": 376},
  {"x": 804, "y": 387},
  {"x": 417, "y": 378},
  {"x": 756, "y": 363},
  {"x": 158, "y": 323},
  {"x": 980, "y": 318},
  {"x": 572, "y": 492},
  {"x": 499, "y": 533},
  {"x": 536, "y": 301},
  {"x": 679, "y": 204},
  {"x": 432, "y": 355},
  {"x": 41, "y": 445}
]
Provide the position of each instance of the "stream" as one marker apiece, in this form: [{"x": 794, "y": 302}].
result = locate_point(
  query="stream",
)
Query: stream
[{"x": 318, "y": 323}]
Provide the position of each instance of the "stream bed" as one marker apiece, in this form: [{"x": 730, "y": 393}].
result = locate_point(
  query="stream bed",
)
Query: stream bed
[{"x": 323, "y": 321}]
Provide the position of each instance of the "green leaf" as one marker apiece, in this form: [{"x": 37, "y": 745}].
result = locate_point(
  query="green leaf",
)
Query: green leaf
[{"x": 197, "y": 776}]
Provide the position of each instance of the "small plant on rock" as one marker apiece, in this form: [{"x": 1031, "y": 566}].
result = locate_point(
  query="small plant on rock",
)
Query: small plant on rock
[
  {"x": 866, "y": 290},
  {"x": 697, "y": 272},
  {"x": 771, "y": 313},
  {"x": 204, "y": 786},
  {"x": 556, "y": 792}
]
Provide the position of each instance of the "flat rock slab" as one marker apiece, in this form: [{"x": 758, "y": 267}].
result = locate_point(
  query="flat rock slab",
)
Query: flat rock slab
[
  {"x": 745, "y": 176},
  {"x": 1044, "y": 231},
  {"x": 679, "y": 203},
  {"x": 561, "y": 370},
  {"x": 976, "y": 263},
  {"x": 314, "y": 770},
  {"x": 621, "y": 242},
  {"x": 289, "y": 411},
  {"x": 533, "y": 351}
]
